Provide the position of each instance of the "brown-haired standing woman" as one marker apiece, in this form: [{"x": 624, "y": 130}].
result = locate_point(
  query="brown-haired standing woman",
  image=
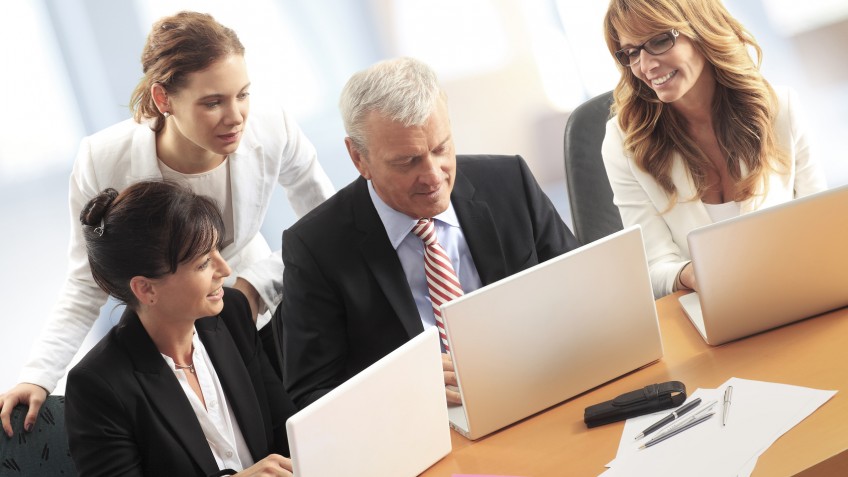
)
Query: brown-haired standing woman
[
  {"x": 191, "y": 124},
  {"x": 699, "y": 135}
]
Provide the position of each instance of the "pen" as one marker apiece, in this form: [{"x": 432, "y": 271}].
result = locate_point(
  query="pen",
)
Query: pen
[
  {"x": 674, "y": 415},
  {"x": 676, "y": 430},
  {"x": 694, "y": 416},
  {"x": 728, "y": 393}
]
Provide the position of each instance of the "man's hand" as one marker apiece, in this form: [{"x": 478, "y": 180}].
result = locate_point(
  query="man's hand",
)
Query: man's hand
[
  {"x": 451, "y": 389},
  {"x": 274, "y": 465}
]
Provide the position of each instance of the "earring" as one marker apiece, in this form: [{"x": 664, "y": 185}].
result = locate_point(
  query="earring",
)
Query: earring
[{"x": 166, "y": 114}]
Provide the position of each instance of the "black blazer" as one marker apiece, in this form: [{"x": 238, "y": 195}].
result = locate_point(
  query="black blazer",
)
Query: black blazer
[
  {"x": 346, "y": 302},
  {"x": 127, "y": 414}
]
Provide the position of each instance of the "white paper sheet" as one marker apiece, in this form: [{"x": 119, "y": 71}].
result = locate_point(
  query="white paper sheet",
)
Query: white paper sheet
[{"x": 760, "y": 413}]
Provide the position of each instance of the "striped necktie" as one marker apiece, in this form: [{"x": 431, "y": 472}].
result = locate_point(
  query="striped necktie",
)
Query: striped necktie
[{"x": 442, "y": 281}]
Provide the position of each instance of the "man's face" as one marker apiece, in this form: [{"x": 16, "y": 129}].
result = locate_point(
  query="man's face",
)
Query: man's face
[{"x": 412, "y": 168}]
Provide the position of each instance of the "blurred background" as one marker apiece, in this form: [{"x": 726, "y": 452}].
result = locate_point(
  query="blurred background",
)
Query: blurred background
[{"x": 513, "y": 70}]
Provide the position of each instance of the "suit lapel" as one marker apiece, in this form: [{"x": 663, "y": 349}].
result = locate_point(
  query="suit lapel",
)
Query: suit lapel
[
  {"x": 687, "y": 194},
  {"x": 382, "y": 259},
  {"x": 144, "y": 163},
  {"x": 236, "y": 382},
  {"x": 780, "y": 189},
  {"x": 164, "y": 391},
  {"x": 247, "y": 187},
  {"x": 479, "y": 229}
]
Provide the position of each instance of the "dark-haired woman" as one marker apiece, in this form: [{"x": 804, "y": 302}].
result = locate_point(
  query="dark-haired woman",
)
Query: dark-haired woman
[
  {"x": 191, "y": 123},
  {"x": 699, "y": 135},
  {"x": 181, "y": 386}
]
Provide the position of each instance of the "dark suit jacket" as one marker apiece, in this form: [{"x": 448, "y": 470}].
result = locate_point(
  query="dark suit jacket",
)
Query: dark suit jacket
[
  {"x": 126, "y": 413},
  {"x": 346, "y": 302}
]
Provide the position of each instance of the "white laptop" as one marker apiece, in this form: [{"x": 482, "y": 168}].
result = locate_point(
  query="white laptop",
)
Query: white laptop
[
  {"x": 770, "y": 267},
  {"x": 550, "y": 332},
  {"x": 389, "y": 420}
]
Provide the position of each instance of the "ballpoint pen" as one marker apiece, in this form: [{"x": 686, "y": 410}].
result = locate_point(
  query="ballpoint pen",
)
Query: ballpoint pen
[
  {"x": 676, "y": 430},
  {"x": 671, "y": 417},
  {"x": 694, "y": 416},
  {"x": 728, "y": 393}
]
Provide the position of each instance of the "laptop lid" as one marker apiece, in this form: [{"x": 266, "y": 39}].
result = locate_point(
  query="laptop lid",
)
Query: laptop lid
[
  {"x": 550, "y": 332},
  {"x": 770, "y": 267},
  {"x": 388, "y": 420}
]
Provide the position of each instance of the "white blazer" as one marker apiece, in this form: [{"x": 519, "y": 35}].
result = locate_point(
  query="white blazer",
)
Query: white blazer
[
  {"x": 640, "y": 199},
  {"x": 273, "y": 150}
]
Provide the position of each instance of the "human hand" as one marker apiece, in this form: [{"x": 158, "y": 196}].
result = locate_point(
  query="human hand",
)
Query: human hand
[
  {"x": 451, "y": 386},
  {"x": 251, "y": 294},
  {"x": 24, "y": 393},
  {"x": 274, "y": 465},
  {"x": 687, "y": 277}
]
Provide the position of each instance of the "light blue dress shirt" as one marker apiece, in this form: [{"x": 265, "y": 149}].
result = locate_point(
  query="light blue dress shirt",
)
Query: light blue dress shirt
[{"x": 410, "y": 250}]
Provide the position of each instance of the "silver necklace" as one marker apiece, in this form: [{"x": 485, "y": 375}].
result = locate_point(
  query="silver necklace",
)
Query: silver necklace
[{"x": 189, "y": 367}]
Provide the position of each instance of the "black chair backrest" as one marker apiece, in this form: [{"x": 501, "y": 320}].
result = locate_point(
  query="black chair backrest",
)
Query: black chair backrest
[
  {"x": 589, "y": 193},
  {"x": 41, "y": 451}
]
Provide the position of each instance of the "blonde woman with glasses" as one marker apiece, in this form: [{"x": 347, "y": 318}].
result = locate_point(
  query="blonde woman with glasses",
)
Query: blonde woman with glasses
[{"x": 698, "y": 134}]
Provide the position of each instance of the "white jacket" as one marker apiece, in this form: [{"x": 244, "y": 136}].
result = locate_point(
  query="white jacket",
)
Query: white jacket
[
  {"x": 640, "y": 199},
  {"x": 273, "y": 150}
]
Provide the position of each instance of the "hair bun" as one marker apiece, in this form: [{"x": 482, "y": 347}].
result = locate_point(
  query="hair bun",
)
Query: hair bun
[{"x": 93, "y": 212}]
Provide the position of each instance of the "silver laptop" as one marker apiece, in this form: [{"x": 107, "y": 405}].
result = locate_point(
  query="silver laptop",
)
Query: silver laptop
[
  {"x": 770, "y": 267},
  {"x": 550, "y": 332},
  {"x": 389, "y": 420}
]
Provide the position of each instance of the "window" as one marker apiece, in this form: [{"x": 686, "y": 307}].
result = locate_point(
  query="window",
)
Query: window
[
  {"x": 40, "y": 123},
  {"x": 455, "y": 38}
]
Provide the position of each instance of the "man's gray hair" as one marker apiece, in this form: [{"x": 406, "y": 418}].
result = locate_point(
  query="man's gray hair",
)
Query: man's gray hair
[{"x": 402, "y": 89}]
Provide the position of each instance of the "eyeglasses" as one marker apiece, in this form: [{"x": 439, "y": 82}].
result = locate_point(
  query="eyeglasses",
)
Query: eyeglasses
[{"x": 655, "y": 46}]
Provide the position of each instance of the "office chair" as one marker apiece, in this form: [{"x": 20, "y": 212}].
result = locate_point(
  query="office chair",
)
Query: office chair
[
  {"x": 42, "y": 451},
  {"x": 589, "y": 193}
]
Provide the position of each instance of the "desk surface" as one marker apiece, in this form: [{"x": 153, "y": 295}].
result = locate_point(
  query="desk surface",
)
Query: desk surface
[{"x": 810, "y": 353}]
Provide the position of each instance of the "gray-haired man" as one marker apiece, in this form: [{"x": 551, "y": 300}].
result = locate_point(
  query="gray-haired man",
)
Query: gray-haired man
[{"x": 355, "y": 286}]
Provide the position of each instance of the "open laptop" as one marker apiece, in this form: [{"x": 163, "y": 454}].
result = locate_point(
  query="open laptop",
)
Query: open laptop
[
  {"x": 548, "y": 333},
  {"x": 389, "y": 420},
  {"x": 770, "y": 267}
]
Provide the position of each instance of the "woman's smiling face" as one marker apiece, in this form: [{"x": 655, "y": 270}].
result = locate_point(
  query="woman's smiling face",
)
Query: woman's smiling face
[
  {"x": 678, "y": 73},
  {"x": 194, "y": 290}
]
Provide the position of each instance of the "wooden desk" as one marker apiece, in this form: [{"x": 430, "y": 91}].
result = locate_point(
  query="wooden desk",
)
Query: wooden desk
[{"x": 812, "y": 353}]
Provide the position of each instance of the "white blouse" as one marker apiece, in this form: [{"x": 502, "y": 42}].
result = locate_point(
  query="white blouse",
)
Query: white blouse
[
  {"x": 216, "y": 419},
  {"x": 727, "y": 210},
  {"x": 214, "y": 184}
]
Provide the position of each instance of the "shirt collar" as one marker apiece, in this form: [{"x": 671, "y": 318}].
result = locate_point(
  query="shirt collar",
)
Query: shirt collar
[{"x": 397, "y": 224}]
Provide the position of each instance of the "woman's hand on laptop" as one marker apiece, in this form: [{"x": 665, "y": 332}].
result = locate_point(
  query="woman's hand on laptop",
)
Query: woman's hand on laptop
[
  {"x": 273, "y": 465},
  {"x": 451, "y": 387},
  {"x": 687, "y": 277}
]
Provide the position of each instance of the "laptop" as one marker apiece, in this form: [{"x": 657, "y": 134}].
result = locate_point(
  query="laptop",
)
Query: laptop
[
  {"x": 389, "y": 420},
  {"x": 551, "y": 332},
  {"x": 769, "y": 268}
]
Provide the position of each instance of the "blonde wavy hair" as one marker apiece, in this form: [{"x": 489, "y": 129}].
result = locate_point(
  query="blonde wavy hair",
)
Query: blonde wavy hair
[{"x": 744, "y": 106}]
